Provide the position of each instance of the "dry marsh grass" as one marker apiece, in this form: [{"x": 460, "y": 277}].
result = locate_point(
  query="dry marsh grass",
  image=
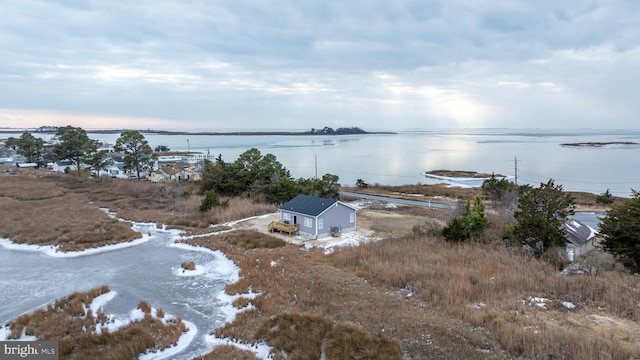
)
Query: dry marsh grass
[
  {"x": 228, "y": 352},
  {"x": 303, "y": 336},
  {"x": 70, "y": 321},
  {"x": 66, "y": 317},
  {"x": 435, "y": 299},
  {"x": 493, "y": 287},
  {"x": 286, "y": 332},
  {"x": 64, "y": 210},
  {"x": 302, "y": 284},
  {"x": 401, "y": 220},
  {"x": 443, "y": 193},
  {"x": 347, "y": 341},
  {"x": 250, "y": 239},
  {"x": 67, "y": 219},
  {"x": 188, "y": 265}
]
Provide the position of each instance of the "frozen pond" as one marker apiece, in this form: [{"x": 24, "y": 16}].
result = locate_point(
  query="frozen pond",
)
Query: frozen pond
[{"x": 148, "y": 271}]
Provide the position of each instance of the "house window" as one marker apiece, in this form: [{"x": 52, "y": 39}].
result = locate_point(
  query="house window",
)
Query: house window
[
  {"x": 320, "y": 223},
  {"x": 286, "y": 217},
  {"x": 352, "y": 218},
  {"x": 308, "y": 222}
]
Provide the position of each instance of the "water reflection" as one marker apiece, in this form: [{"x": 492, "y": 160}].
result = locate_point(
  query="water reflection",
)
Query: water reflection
[{"x": 400, "y": 158}]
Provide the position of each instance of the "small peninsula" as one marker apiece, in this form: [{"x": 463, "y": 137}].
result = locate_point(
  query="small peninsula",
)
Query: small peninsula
[{"x": 461, "y": 174}]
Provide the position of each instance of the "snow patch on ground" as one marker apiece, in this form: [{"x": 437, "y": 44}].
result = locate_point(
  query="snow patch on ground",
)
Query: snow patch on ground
[
  {"x": 352, "y": 238},
  {"x": 536, "y": 301},
  {"x": 100, "y": 300},
  {"x": 170, "y": 352},
  {"x": 478, "y": 305},
  {"x": 235, "y": 222},
  {"x": 405, "y": 194},
  {"x": 261, "y": 349},
  {"x": 568, "y": 305},
  {"x": 227, "y": 300},
  {"x": 5, "y": 332},
  {"x": 222, "y": 267}
]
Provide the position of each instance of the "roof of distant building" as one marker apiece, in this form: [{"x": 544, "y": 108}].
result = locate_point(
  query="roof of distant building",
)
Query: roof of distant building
[{"x": 577, "y": 232}]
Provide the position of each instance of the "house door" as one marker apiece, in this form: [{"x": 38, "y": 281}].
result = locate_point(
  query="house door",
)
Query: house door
[{"x": 295, "y": 219}]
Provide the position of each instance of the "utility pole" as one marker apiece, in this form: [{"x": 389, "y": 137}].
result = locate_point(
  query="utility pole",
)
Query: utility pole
[{"x": 316, "y": 158}]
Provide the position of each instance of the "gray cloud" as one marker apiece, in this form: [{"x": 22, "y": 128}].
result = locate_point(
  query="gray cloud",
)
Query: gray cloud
[{"x": 375, "y": 64}]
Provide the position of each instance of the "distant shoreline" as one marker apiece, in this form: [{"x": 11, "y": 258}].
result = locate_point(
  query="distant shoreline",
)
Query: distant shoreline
[
  {"x": 235, "y": 133},
  {"x": 210, "y": 133}
]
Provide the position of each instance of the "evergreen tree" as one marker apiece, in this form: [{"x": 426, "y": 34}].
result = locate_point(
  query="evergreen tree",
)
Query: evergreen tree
[
  {"x": 540, "y": 215},
  {"x": 212, "y": 199},
  {"x": 499, "y": 191},
  {"x": 620, "y": 229},
  {"x": 138, "y": 155},
  {"x": 28, "y": 146},
  {"x": 262, "y": 177},
  {"x": 469, "y": 224},
  {"x": 98, "y": 160},
  {"x": 73, "y": 144},
  {"x": 605, "y": 198}
]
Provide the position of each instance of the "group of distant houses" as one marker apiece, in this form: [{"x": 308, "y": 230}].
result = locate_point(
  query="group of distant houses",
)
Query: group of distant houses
[{"x": 167, "y": 168}]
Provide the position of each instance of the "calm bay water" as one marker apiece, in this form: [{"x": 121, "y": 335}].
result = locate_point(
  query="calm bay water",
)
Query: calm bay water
[{"x": 400, "y": 158}]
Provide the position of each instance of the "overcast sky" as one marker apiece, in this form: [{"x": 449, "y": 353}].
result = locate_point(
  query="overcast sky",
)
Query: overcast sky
[{"x": 285, "y": 64}]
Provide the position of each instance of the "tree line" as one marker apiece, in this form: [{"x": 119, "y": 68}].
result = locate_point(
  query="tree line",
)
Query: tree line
[
  {"x": 339, "y": 131},
  {"x": 263, "y": 178},
  {"x": 73, "y": 144}
]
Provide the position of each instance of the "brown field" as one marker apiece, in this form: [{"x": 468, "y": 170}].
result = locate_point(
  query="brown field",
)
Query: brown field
[{"x": 409, "y": 295}]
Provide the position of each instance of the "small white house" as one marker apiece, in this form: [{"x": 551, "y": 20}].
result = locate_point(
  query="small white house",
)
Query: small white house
[{"x": 580, "y": 238}]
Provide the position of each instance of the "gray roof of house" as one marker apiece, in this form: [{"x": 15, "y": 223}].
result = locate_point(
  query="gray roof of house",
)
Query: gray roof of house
[
  {"x": 577, "y": 232},
  {"x": 308, "y": 205}
]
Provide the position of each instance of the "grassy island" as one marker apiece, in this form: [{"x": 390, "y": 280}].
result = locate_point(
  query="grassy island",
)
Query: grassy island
[{"x": 598, "y": 144}]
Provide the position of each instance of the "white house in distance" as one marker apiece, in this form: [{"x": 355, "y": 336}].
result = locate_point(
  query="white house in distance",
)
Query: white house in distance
[
  {"x": 318, "y": 217},
  {"x": 580, "y": 238},
  {"x": 175, "y": 172}
]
